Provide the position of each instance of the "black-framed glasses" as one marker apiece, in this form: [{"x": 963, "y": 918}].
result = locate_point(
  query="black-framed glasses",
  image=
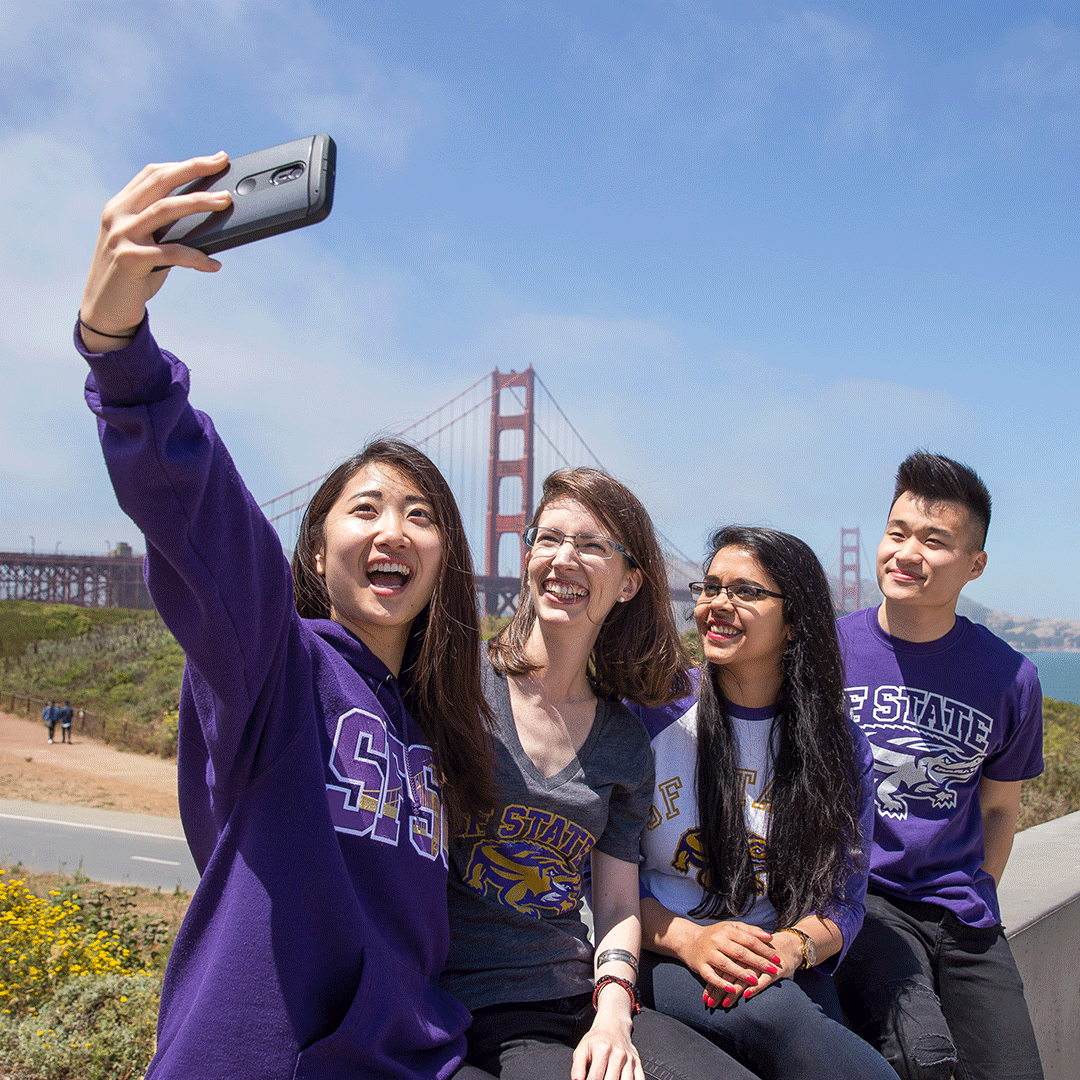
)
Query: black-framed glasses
[
  {"x": 744, "y": 594},
  {"x": 546, "y": 541}
]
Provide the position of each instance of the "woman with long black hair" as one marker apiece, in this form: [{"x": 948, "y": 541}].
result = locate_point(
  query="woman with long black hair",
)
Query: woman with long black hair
[{"x": 754, "y": 856}]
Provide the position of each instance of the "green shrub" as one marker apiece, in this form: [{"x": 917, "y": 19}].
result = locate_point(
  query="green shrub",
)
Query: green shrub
[
  {"x": 80, "y": 981},
  {"x": 124, "y": 669},
  {"x": 98, "y": 1027},
  {"x": 1057, "y": 791}
]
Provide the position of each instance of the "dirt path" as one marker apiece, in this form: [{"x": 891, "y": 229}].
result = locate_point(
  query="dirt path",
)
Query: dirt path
[{"x": 84, "y": 773}]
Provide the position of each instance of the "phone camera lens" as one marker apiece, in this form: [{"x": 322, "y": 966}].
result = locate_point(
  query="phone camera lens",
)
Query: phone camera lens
[{"x": 287, "y": 173}]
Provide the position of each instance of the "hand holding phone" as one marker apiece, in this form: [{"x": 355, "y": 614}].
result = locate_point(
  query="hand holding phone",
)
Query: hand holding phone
[
  {"x": 177, "y": 214},
  {"x": 273, "y": 191},
  {"x": 124, "y": 271}
]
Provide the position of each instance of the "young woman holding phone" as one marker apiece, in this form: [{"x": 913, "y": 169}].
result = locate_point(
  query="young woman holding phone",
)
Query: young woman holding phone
[{"x": 332, "y": 724}]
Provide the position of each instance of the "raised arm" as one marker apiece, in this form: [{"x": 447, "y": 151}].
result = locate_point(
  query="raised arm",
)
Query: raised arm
[{"x": 216, "y": 570}]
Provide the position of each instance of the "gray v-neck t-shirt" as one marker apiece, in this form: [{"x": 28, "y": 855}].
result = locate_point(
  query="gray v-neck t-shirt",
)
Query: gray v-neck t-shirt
[{"x": 517, "y": 877}]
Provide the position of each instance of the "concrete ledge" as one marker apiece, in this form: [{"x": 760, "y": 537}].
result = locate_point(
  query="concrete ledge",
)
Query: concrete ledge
[{"x": 1040, "y": 907}]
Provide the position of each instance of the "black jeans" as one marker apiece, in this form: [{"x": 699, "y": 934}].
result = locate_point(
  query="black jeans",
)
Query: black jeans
[
  {"x": 536, "y": 1041},
  {"x": 936, "y": 997}
]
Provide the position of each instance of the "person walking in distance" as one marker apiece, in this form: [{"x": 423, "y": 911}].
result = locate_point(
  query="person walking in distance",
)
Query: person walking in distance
[
  {"x": 65, "y": 716},
  {"x": 50, "y": 714}
]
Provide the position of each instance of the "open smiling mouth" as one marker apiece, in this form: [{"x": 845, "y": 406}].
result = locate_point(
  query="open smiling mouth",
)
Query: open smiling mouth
[
  {"x": 388, "y": 575},
  {"x": 564, "y": 591}
]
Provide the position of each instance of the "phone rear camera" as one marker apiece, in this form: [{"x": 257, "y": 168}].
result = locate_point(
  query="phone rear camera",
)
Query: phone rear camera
[
  {"x": 287, "y": 173},
  {"x": 246, "y": 186}
]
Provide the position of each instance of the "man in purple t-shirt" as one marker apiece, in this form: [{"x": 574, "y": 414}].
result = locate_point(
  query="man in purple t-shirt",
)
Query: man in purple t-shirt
[{"x": 954, "y": 717}]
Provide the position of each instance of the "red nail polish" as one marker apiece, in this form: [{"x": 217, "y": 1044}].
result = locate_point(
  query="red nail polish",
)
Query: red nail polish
[
  {"x": 777, "y": 960},
  {"x": 771, "y": 970},
  {"x": 726, "y": 1002},
  {"x": 752, "y": 980},
  {"x": 704, "y": 997},
  {"x": 749, "y": 993},
  {"x": 711, "y": 1003}
]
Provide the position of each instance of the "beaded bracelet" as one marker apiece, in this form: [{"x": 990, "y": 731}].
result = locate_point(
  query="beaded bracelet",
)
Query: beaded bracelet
[{"x": 628, "y": 986}]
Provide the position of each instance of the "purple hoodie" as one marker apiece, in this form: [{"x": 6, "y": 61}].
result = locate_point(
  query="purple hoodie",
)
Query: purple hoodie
[{"x": 313, "y": 942}]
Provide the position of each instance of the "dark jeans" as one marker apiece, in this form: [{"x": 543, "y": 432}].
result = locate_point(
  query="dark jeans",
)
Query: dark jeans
[
  {"x": 65, "y": 733},
  {"x": 536, "y": 1041},
  {"x": 936, "y": 997},
  {"x": 781, "y": 1033}
]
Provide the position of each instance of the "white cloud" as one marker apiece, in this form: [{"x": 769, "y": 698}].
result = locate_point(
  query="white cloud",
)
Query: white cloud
[
  {"x": 86, "y": 101},
  {"x": 705, "y": 77},
  {"x": 1032, "y": 81}
]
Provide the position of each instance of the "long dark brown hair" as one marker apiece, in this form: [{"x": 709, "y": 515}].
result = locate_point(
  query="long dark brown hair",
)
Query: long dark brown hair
[
  {"x": 814, "y": 823},
  {"x": 638, "y": 655},
  {"x": 440, "y": 672}
]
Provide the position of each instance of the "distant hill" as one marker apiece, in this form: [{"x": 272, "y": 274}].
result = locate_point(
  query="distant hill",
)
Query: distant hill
[
  {"x": 1022, "y": 632},
  {"x": 1027, "y": 634}
]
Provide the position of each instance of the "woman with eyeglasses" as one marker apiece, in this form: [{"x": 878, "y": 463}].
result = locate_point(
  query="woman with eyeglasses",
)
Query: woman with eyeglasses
[
  {"x": 574, "y": 770},
  {"x": 755, "y": 855}
]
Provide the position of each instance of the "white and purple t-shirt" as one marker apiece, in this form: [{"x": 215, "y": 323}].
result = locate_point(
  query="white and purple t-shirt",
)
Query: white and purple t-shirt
[
  {"x": 673, "y": 864},
  {"x": 940, "y": 715}
]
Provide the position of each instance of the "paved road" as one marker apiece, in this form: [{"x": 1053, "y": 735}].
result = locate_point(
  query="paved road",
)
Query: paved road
[{"x": 119, "y": 849}]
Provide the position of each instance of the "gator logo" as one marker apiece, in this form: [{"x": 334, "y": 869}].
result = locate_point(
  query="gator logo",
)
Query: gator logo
[
  {"x": 914, "y": 767},
  {"x": 758, "y": 850},
  {"x": 529, "y": 877}
]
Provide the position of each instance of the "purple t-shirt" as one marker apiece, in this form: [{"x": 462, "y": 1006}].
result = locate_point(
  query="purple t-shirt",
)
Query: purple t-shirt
[
  {"x": 312, "y": 944},
  {"x": 940, "y": 715}
]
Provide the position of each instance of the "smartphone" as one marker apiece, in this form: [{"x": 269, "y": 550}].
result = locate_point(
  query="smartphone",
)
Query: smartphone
[{"x": 274, "y": 190}]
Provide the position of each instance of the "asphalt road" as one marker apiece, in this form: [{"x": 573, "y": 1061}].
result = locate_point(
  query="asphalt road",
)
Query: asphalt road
[{"x": 118, "y": 849}]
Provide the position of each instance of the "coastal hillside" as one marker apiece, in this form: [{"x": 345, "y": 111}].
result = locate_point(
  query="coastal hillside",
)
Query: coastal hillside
[
  {"x": 1023, "y": 632},
  {"x": 1027, "y": 634}
]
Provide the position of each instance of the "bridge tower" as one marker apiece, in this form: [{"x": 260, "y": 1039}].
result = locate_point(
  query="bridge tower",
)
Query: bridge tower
[
  {"x": 509, "y": 511},
  {"x": 849, "y": 570}
]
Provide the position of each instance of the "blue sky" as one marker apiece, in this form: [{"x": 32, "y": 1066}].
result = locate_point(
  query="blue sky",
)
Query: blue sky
[{"x": 757, "y": 252}]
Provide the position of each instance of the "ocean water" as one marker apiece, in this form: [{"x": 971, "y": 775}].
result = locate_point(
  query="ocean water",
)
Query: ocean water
[{"x": 1059, "y": 673}]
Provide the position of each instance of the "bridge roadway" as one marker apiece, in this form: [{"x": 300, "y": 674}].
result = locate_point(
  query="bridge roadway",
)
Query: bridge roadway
[
  {"x": 1040, "y": 895},
  {"x": 114, "y": 580},
  {"x": 117, "y": 581}
]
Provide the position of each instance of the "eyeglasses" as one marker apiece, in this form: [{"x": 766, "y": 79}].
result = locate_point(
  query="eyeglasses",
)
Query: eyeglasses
[
  {"x": 548, "y": 541},
  {"x": 744, "y": 594}
]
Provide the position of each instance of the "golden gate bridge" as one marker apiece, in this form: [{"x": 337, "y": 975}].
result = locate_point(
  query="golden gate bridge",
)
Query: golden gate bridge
[{"x": 494, "y": 442}]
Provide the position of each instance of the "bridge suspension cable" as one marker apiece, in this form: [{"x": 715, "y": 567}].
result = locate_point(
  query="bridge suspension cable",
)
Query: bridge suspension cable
[{"x": 459, "y": 437}]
